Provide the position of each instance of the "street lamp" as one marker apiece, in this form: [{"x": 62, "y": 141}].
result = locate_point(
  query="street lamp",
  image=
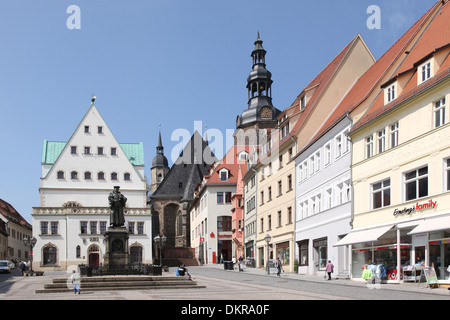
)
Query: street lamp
[
  {"x": 160, "y": 241},
  {"x": 267, "y": 238},
  {"x": 30, "y": 242}
]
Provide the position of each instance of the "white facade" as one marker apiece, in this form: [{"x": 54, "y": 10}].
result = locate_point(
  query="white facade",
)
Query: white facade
[
  {"x": 77, "y": 178},
  {"x": 324, "y": 201},
  {"x": 204, "y": 224},
  {"x": 250, "y": 214}
]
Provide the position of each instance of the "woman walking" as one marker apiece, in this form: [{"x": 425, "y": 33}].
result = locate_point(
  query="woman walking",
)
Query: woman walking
[{"x": 329, "y": 269}]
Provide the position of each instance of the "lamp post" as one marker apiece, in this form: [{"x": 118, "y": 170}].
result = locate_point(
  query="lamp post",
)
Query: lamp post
[
  {"x": 30, "y": 242},
  {"x": 267, "y": 238},
  {"x": 160, "y": 241}
]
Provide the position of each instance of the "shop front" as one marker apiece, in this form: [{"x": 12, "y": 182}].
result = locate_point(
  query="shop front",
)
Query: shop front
[
  {"x": 401, "y": 252},
  {"x": 435, "y": 247}
]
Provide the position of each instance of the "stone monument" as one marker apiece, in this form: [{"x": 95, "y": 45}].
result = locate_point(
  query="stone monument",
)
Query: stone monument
[{"x": 116, "y": 258}]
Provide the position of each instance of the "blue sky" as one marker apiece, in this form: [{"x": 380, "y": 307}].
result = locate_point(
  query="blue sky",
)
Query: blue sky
[{"x": 168, "y": 62}]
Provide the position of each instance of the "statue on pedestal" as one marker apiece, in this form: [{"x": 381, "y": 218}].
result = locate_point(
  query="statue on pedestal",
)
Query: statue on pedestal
[{"x": 117, "y": 204}]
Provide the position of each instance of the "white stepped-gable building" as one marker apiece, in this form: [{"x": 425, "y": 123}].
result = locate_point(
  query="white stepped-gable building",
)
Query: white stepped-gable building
[{"x": 77, "y": 177}]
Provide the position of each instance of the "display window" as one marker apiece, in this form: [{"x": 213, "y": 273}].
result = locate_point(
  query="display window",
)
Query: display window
[
  {"x": 439, "y": 252},
  {"x": 283, "y": 252},
  {"x": 320, "y": 253},
  {"x": 381, "y": 256}
]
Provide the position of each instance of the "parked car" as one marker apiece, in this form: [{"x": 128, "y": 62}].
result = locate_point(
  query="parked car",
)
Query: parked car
[{"x": 5, "y": 266}]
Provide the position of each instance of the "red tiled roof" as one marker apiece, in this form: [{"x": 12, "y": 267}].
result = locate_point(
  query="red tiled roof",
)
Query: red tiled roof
[
  {"x": 319, "y": 84},
  {"x": 435, "y": 36},
  {"x": 230, "y": 162},
  {"x": 11, "y": 214},
  {"x": 323, "y": 78}
]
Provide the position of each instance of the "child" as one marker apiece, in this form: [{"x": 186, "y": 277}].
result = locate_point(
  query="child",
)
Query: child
[{"x": 76, "y": 279}]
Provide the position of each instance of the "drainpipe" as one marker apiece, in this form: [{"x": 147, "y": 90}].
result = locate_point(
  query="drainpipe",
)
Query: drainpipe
[
  {"x": 67, "y": 245},
  {"x": 352, "y": 212},
  {"x": 352, "y": 209},
  {"x": 398, "y": 255}
]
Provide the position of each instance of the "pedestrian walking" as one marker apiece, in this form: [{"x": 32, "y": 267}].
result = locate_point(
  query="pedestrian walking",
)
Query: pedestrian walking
[
  {"x": 329, "y": 269},
  {"x": 22, "y": 267},
  {"x": 279, "y": 267},
  {"x": 76, "y": 279},
  {"x": 240, "y": 261}
]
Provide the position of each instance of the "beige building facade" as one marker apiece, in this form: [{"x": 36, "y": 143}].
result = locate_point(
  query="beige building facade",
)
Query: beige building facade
[
  {"x": 297, "y": 126},
  {"x": 401, "y": 163}
]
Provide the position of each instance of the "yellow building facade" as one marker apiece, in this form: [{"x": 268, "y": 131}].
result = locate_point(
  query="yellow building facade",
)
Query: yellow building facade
[{"x": 401, "y": 165}]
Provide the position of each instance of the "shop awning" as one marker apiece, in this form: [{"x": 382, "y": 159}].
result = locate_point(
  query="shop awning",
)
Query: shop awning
[
  {"x": 430, "y": 225},
  {"x": 361, "y": 236}
]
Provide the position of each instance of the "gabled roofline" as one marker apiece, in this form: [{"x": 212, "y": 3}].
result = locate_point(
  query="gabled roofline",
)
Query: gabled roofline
[{"x": 92, "y": 106}]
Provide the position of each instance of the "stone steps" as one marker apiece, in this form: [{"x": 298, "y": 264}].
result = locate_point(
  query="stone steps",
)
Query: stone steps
[{"x": 113, "y": 283}]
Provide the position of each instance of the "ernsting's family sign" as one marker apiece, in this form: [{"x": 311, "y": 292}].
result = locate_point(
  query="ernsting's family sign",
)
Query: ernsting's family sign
[{"x": 418, "y": 207}]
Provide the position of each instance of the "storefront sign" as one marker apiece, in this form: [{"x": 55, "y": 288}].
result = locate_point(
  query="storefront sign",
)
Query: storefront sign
[
  {"x": 403, "y": 246},
  {"x": 431, "y": 277},
  {"x": 418, "y": 207}
]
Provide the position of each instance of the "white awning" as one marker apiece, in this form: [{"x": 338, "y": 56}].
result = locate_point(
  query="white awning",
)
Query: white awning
[
  {"x": 430, "y": 225},
  {"x": 369, "y": 235}
]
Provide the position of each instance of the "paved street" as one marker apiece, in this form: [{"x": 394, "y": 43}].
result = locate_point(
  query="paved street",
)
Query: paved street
[{"x": 252, "y": 284}]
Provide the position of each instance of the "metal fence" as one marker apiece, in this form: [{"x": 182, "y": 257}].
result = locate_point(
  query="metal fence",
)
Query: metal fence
[{"x": 130, "y": 269}]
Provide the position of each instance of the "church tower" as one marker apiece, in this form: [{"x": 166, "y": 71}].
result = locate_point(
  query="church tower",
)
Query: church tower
[
  {"x": 160, "y": 165},
  {"x": 260, "y": 113}
]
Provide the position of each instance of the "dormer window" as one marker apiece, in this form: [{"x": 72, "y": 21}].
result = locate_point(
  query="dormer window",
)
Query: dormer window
[
  {"x": 425, "y": 71},
  {"x": 243, "y": 156},
  {"x": 223, "y": 174},
  {"x": 302, "y": 103},
  {"x": 390, "y": 93}
]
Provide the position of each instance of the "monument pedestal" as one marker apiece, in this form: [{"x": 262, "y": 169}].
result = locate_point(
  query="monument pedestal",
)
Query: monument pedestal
[{"x": 117, "y": 256}]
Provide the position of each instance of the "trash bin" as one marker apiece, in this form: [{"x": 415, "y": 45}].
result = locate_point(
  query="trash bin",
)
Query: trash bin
[
  {"x": 155, "y": 270},
  {"x": 85, "y": 270},
  {"x": 228, "y": 265}
]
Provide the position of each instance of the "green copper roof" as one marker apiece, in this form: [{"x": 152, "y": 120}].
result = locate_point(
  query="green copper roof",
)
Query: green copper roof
[
  {"x": 52, "y": 149},
  {"x": 134, "y": 152}
]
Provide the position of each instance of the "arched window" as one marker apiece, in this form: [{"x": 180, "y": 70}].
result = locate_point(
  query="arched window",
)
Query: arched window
[
  {"x": 60, "y": 174},
  {"x": 94, "y": 248},
  {"x": 49, "y": 254},
  {"x": 127, "y": 177},
  {"x": 114, "y": 176},
  {"x": 78, "y": 252},
  {"x": 136, "y": 254}
]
